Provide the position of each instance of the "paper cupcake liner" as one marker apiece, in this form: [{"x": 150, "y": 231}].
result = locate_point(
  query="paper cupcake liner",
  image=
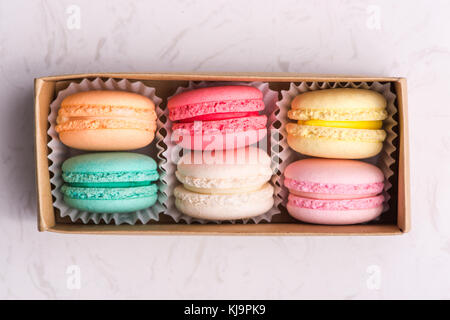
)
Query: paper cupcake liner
[
  {"x": 60, "y": 152},
  {"x": 383, "y": 160},
  {"x": 168, "y": 166}
]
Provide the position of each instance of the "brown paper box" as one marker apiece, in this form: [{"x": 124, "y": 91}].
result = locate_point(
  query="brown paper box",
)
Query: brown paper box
[{"x": 46, "y": 89}]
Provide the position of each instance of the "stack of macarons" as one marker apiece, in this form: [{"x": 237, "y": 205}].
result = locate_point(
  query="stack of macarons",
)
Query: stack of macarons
[
  {"x": 224, "y": 185},
  {"x": 338, "y": 124},
  {"x": 224, "y": 178},
  {"x": 108, "y": 182}
]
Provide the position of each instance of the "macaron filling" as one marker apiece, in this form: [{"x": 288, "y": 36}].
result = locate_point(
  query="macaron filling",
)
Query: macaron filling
[
  {"x": 344, "y": 204},
  {"x": 125, "y": 177},
  {"x": 190, "y": 111},
  {"x": 332, "y": 133},
  {"x": 370, "y": 125},
  {"x": 73, "y": 117},
  {"x": 83, "y": 193},
  {"x": 105, "y": 123},
  {"x": 70, "y": 111},
  {"x": 331, "y": 188},
  {"x": 194, "y": 198},
  {"x": 220, "y": 116},
  {"x": 223, "y": 185},
  {"x": 222, "y": 126},
  {"x": 332, "y": 114},
  {"x": 112, "y": 180},
  {"x": 125, "y": 184}
]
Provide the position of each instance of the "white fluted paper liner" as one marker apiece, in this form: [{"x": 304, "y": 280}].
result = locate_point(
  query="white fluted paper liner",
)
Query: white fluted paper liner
[
  {"x": 169, "y": 167},
  {"x": 60, "y": 152},
  {"x": 383, "y": 160}
]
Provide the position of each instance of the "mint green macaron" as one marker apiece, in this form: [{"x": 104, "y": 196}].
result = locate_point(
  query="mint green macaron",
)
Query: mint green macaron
[{"x": 110, "y": 182}]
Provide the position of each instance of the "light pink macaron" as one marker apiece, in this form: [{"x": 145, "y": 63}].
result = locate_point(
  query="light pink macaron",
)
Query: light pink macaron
[{"x": 335, "y": 192}]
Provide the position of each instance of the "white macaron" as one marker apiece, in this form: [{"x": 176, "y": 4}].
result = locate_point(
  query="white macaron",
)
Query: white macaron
[{"x": 224, "y": 185}]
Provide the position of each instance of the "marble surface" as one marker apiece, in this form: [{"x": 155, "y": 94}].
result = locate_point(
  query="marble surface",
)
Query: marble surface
[{"x": 380, "y": 38}]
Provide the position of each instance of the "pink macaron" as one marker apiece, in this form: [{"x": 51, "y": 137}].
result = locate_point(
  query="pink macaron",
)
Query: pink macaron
[
  {"x": 217, "y": 118},
  {"x": 334, "y": 192}
]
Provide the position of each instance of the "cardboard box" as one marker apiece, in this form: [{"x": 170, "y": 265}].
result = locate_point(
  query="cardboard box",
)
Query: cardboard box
[{"x": 398, "y": 217}]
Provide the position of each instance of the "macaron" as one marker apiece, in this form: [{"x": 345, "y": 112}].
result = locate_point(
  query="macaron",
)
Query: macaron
[
  {"x": 217, "y": 118},
  {"x": 224, "y": 185},
  {"x": 110, "y": 182},
  {"x": 334, "y": 191},
  {"x": 105, "y": 120},
  {"x": 342, "y": 123}
]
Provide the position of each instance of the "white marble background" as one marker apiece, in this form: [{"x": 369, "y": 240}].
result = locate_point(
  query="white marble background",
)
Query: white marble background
[{"x": 381, "y": 38}]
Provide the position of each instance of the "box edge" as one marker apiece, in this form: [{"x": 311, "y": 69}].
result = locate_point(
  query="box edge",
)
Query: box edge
[
  {"x": 404, "y": 157},
  {"x": 43, "y": 223}
]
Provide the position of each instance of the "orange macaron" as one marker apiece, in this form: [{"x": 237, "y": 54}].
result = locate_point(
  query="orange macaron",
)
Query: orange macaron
[{"x": 103, "y": 120}]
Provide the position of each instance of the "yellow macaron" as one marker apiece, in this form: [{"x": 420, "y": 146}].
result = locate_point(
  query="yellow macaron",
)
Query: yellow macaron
[{"x": 342, "y": 123}]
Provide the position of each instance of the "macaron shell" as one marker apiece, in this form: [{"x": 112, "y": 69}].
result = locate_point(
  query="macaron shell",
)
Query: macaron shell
[
  {"x": 225, "y": 164},
  {"x": 218, "y": 141},
  {"x": 340, "y": 143},
  {"x": 121, "y": 178},
  {"x": 224, "y": 207},
  {"x": 111, "y": 206},
  {"x": 109, "y": 162},
  {"x": 220, "y": 93},
  {"x": 335, "y": 196},
  {"x": 220, "y": 116},
  {"x": 339, "y": 99},
  {"x": 223, "y": 185},
  {"x": 333, "y": 179},
  {"x": 99, "y": 123},
  {"x": 131, "y": 112},
  {"x": 334, "y": 217},
  {"x": 333, "y": 191},
  {"x": 107, "y": 139},
  {"x": 335, "y": 204},
  {"x": 329, "y": 172},
  {"x": 214, "y": 190},
  {"x": 219, "y": 107},
  {"x": 337, "y": 114},
  {"x": 334, "y": 149},
  {"x": 338, "y": 134},
  {"x": 222, "y": 126},
  {"x": 335, "y": 212},
  {"x": 109, "y": 193},
  {"x": 224, "y": 171},
  {"x": 108, "y": 98}
]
